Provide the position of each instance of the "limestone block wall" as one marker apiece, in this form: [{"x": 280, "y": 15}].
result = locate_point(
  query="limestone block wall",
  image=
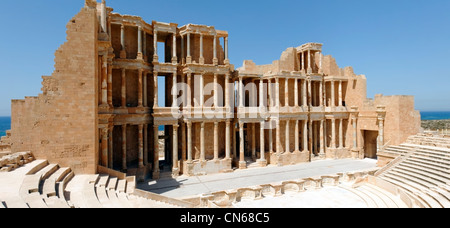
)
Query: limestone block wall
[{"x": 61, "y": 123}]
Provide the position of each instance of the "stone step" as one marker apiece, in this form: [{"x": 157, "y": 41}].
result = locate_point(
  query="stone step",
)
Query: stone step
[
  {"x": 15, "y": 202},
  {"x": 363, "y": 195},
  {"x": 121, "y": 186}
]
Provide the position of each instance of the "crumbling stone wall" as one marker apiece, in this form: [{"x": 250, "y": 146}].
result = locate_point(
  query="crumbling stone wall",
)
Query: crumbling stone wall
[{"x": 61, "y": 123}]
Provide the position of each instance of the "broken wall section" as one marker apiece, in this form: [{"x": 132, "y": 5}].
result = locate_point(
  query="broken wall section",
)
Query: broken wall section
[{"x": 61, "y": 123}]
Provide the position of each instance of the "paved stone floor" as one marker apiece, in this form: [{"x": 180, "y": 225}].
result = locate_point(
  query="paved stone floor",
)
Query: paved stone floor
[{"x": 191, "y": 186}]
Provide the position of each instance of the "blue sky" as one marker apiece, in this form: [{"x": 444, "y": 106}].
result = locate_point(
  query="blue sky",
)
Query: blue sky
[{"x": 402, "y": 46}]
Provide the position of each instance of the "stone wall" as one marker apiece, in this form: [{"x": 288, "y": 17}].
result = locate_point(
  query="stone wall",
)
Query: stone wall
[{"x": 60, "y": 125}]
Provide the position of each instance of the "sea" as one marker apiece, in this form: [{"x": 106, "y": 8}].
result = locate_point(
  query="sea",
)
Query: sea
[{"x": 5, "y": 122}]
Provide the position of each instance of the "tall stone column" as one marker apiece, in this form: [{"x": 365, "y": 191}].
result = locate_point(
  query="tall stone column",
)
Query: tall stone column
[
  {"x": 110, "y": 146},
  {"x": 189, "y": 144},
  {"x": 155, "y": 46},
  {"x": 227, "y": 60},
  {"x": 188, "y": 57},
  {"x": 175, "y": 166},
  {"x": 381, "y": 112},
  {"x": 124, "y": 148},
  {"x": 310, "y": 136},
  {"x": 189, "y": 92},
  {"x": 183, "y": 58},
  {"x": 104, "y": 77},
  {"x": 183, "y": 142},
  {"x": 321, "y": 94},
  {"x": 124, "y": 89},
  {"x": 270, "y": 94},
  {"x": 341, "y": 134},
  {"x": 216, "y": 141},
  {"x": 215, "y": 60},
  {"x": 174, "y": 90},
  {"x": 103, "y": 18},
  {"x": 253, "y": 141},
  {"x": 242, "y": 163},
  {"x": 303, "y": 62},
  {"x": 145, "y": 144},
  {"x": 333, "y": 133},
  {"x": 304, "y": 94},
  {"x": 155, "y": 79},
  {"x": 227, "y": 140},
  {"x": 202, "y": 59},
  {"x": 174, "y": 49},
  {"x": 288, "y": 149},
  {"x": 140, "y": 54},
  {"x": 140, "y": 89},
  {"x": 286, "y": 92},
  {"x": 202, "y": 93},
  {"x": 277, "y": 92},
  {"x": 278, "y": 136},
  {"x": 156, "y": 152},
  {"x": 141, "y": 145},
  {"x": 305, "y": 136},
  {"x": 322, "y": 143},
  {"x": 355, "y": 128},
  {"x": 296, "y": 135},
  {"x": 295, "y": 93},
  {"x": 202, "y": 143},
  {"x": 270, "y": 136},
  {"x": 216, "y": 89},
  {"x": 104, "y": 133},
  {"x": 320, "y": 63},
  {"x": 309, "y": 62},
  {"x": 340, "y": 93},
  {"x": 110, "y": 89},
  {"x": 123, "y": 53},
  {"x": 145, "y": 90},
  {"x": 262, "y": 161},
  {"x": 310, "y": 98},
  {"x": 241, "y": 93},
  {"x": 261, "y": 96},
  {"x": 333, "y": 99},
  {"x": 227, "y": 92}
]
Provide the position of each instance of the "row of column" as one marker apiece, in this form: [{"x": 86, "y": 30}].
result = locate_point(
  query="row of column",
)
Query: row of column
[
  {"x": 340, "y": 94},
  {"x": 309, "y": 69},
  {"x": 188, "y": 59}
]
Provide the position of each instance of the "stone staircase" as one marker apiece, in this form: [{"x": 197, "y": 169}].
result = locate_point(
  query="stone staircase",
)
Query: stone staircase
[
  {"x": 376, "y": 197},
  {"x": 43, "y": 185},
  {"x": 423, "y": 173}
]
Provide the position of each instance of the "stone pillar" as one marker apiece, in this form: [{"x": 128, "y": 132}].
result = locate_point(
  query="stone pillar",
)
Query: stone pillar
[
  {"x": 333, "y": 133},
  {"x": 341, "y": 134},
  {"x": 310, "y": 136},
  {"x": 202, "y": 94},
  {"x": 333, "y": 99},
  {"x": 175, "y": 166},
  {"x": 188, "y": 57},
  {"x": 110, "y": 89},
  {"x": 216, "y": 89},
  {"x": 305, "y": 136},
  {"x": 202, "y": 59},
  {"x": 189, "y": 92},
  {"x": 304, "y": 94},
  {"x": 278, "y": 136},
  {"x": 183, "y": 142},
  {"x": 140, "y": 55},
  {"x": 296, "y": 135},
  {"x": 124, "y": 89},
  {"x": 355, "y": 129},
  {"x": 227, "y": 60},
  {"x": 104, "y": 145},
  {"x": 174, "y": 90},
  {"x": 340, "y": 93},
  {"x": 310, "y": 98},
  {"x": 183, "y": 59},
  {"x": 286, "y": 92},
  {"x": 320, "y": 63},
  {"x": 270, "y": 136},
  {"x": 309, "y": 62},
  {"x": 288, "y": 149},
  {"x": 277, "y": 92},
  {"x": 140, "y": 89},
  {"x": 123, "y": 53},
  {"x": 174, "y": 50},
  {"x": 202, "y": 142},
  {"x": 228, "y": 140},
  {"x": 216, "y": 141},
  {"x": 155, "y": 46},
  {"x": 215, "y": 60},
  {"x": 104, "y": 77},
  {"x": 227, "y": 92},
  {"x": 189, "y": 140},
  {"x": 261, "y": 95},
  {"x": 124, "y": 148},
  {"x": 262, "y": 140},
  {"x": 145, "y": 144},
  {"x": 145, "y": 92},
  {"x": 141, "y": 145},
  {"x": 103, "y": 19},
  {"x": 155, "y": 93},
  {"x": 296, "y": 93},
  {"x": 253, "y": 141},
  {"x": 156, "y": 152},
  {"x": 270, "y": 93},
  {"x": 303, "y": 62},
  {"x": 144, "y": 47},
  {"x": 381, "y": 111},
  {"x": 321, "y": 94},
  {"x": 322, "y": 143},
  {"x": 241, "y": 93},
  {"x": 110, "y": 146},
  {"x": 242, "y": 163}
]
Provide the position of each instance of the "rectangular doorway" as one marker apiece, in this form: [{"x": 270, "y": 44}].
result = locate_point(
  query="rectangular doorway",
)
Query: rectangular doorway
[{"x": 370, "y": 144}]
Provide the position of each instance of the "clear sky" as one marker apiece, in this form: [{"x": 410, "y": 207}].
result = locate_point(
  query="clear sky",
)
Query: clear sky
[{"x": 402, "y": 46}]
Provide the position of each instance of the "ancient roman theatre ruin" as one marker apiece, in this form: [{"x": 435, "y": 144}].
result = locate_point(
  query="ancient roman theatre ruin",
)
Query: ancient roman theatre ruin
[{"x": 101, "y": 114}]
